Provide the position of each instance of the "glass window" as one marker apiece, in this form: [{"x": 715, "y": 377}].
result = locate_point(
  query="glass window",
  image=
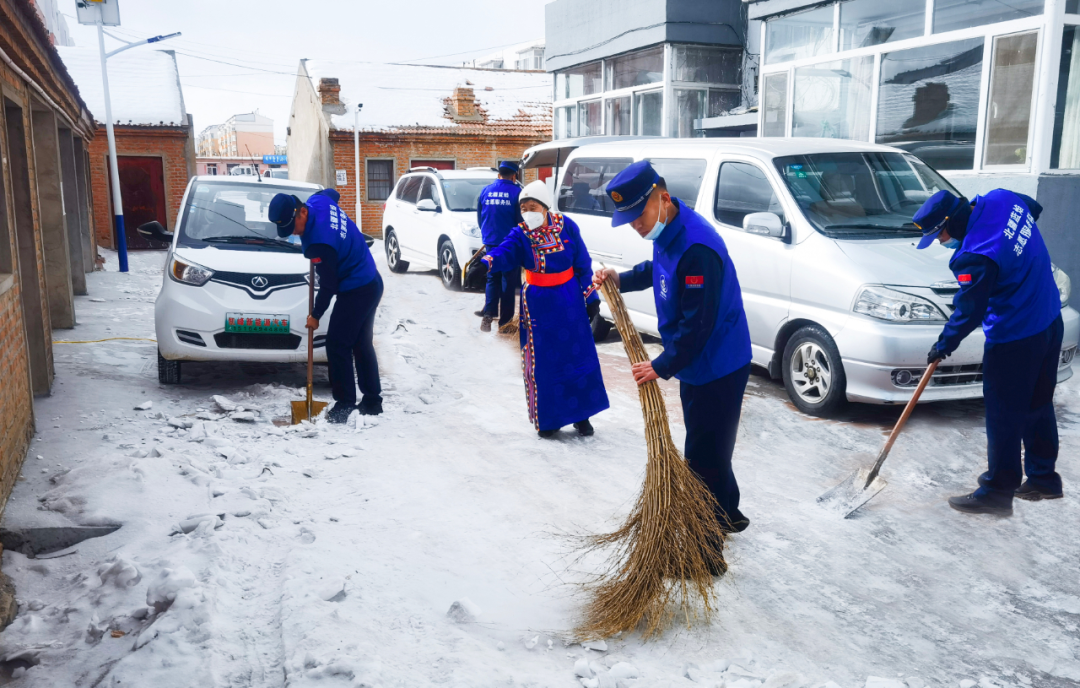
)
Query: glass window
[
  {"x": 721, "y": 101},
  {"x": 795, "y": 36},
  {"x": 689, "y": 106},
  {"x": 741, "y": 189},
  {"x": 380, "y": 179},
  {"x": 578, "y": 81},
  {"x": 706, "y": 65},
  {"x": 873, "y": 22},
  {"x": 617, "y": 116},
  {"x": 234, "y": 215},
  {"x": 590, "y": 123},
  {"x": 928, "y": 102},
  {"x": 682, "y": 176},
  {"x": 1012, "y": 78},
  {"x": 950, "y": 15},
  {"x": 1072, "y": 6},
  {"x": 860, "y": 195},
  {"x": 832, "y": 100},
  {"x": 566, "y": 122},
  {"x": 1066, "y": 152},
  {"x": 428, "y": 192},
  {"x": 462, "y": 194},
  {"x": 408, "y": 188},
  {"x": 635, "y": 69},
  {"x": 648, "y": 113},
  {"x": 775, "y": 105},
  {"x": 584, "y": 186}
]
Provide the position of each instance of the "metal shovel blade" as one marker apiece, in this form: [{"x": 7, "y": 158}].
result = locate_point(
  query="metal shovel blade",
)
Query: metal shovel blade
[
  {"x": 300, "y": 410},
  {"x": 846, "y": 498}
]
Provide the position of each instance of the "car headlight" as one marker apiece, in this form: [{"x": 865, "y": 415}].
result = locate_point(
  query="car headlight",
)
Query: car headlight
[
  {"x": 1064, "y": 284},
  {"x": 895, "y": 306},
  {"x": 190, "y": 273},
  {"x": 469, "y": 229}
]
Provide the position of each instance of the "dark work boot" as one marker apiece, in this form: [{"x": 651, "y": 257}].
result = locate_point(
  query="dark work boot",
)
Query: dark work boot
[
  {"x": 1033, "y": 494},
  {"x": 547, "y": 433},
  {"x": 340, "y": 413},
  {"x": 479, "y": 313},
  {"x": 735, "y": 523},
  {"x": 584, "y": 428},
  {"x": 980, "y": 504},
  {"x": 370, "y": 408},
  {"x": 485, "y": 324}
]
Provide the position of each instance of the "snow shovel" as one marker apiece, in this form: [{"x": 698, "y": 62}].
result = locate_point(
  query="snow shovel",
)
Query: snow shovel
[
  {"x": 862, "y": 485},
  {"x": 308, "y": 408}
]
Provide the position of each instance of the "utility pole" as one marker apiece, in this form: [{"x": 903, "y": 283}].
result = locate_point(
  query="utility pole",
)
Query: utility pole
[{"x": 356, "y": 162}]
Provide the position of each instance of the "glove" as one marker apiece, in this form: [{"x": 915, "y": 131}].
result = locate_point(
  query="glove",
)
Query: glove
[
  {"x": 593, "y": 309},
  {"x": 935, "y": 354}
]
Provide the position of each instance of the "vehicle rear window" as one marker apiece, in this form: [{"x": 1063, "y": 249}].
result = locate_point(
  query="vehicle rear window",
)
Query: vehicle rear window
[
  {"x": 683, "y": 177},
  {"x": 408, "y": 188},
  {"x": 741, "y": 189},
  {"x": 584, "y": 185}
]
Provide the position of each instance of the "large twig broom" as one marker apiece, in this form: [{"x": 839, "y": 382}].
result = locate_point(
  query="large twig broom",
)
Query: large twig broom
[{"x": 662, "y": 560}]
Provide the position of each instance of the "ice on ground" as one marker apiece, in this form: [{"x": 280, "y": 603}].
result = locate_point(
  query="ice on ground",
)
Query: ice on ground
[
  {"x": 464, "y": 611},
  {"x": 145, "y": 406}
]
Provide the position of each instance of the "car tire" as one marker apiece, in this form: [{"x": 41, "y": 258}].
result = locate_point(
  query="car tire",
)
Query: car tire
[
  {"x": 393, "y": 253},
  {"x": 813, "y": 372},
  {"x": 449, "y": 270},
  {"x": 601, "y": 328},
  {"x": 168, "y": 372}
]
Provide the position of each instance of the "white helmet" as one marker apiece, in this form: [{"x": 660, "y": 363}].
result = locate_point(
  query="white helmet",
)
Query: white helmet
[{"x": 537, "y": 191}]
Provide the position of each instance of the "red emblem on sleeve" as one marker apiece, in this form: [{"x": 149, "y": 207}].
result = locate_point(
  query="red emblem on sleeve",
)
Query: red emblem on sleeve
[
  {"x": 963, "y": 279},
  {"x": 695, "y": 281},
  {"x": 316, "y": 260}
]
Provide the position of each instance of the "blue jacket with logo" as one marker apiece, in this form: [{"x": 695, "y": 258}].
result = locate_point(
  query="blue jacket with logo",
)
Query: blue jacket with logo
[
  {"x": 698, "y": 301},
  {"x": 497, "y": 210},
  {"x": 328, "y": 225},
  {"x": 1004, "y": 272}
]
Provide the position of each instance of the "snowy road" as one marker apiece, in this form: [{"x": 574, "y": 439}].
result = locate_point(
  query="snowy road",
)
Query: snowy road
[{"x": 332, "y": 559}]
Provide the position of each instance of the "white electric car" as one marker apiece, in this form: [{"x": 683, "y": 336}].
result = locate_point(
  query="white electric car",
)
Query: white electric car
[
  {"x": 232, "y": 290},
  {"x": 430, "y": 220}
]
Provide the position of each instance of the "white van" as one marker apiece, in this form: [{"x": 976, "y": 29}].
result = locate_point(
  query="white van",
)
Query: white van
[{"x": 839, "y": 302}]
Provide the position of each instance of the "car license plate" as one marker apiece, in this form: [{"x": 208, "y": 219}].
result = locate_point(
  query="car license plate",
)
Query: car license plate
[{"x": 256, "y": 323}]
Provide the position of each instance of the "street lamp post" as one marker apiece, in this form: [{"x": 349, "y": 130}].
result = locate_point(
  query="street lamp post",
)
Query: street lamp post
[{"x": 356, "y": 163}]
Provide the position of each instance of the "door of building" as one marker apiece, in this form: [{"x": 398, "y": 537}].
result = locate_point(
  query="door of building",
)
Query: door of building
[
  {"x": 142, "y": 188},
  {"x": 437, "y": 164}
]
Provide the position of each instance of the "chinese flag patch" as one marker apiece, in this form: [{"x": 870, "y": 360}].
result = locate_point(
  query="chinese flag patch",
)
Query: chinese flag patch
[
  {"x": 316, "y": 260},
  {"x": 695, "y": 281},
  {"x": 963, "y": 279}
]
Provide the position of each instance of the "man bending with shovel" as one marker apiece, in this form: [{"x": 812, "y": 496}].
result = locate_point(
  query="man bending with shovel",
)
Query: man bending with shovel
[
  {"x": 345, "y": 267},
  {"x": 1007, "y": 285}
]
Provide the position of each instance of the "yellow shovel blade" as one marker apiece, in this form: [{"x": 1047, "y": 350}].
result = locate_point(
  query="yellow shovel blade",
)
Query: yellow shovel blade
[{"x": 300, "y": 410}]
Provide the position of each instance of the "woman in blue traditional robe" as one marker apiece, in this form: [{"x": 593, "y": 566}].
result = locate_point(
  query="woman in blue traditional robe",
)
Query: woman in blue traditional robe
[{"x": 563, "y": 384}]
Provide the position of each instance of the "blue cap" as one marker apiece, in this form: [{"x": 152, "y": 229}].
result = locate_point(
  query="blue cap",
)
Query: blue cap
[
  {"x": 629, "y": 191},
  {"x": 282, "y": 212},
  {"x": 933, "y": 215},
  {"x": 509, "y": 166}
]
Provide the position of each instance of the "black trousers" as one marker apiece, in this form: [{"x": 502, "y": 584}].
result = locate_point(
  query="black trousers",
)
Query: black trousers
[
  {"x": 711, "y": 413},
  {"x": 349, "y": 337},
  {"x": 502, "y": 289},
  {"x": 1018, "y": 389}
]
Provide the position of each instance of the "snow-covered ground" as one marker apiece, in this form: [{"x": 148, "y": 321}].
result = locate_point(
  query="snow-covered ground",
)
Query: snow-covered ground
[{"x": 253, "y": 554}]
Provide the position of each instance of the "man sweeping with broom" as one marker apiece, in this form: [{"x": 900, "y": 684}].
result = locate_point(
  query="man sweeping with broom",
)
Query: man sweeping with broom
[{"x": 701, "y": 321}]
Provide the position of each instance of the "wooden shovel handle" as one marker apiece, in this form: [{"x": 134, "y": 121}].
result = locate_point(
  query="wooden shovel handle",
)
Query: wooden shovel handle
[
  {"x": 900, "y": 423},
  {"x": 310, "y": 338}
]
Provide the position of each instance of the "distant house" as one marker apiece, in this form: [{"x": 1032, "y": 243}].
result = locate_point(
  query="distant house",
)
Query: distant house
[
  {"x": 412, "y": 116},
  {"x": 155, "y": 140},
  {"x": 240, "y": 141}
]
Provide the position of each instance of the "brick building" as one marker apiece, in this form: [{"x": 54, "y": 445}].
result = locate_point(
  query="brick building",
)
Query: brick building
[
  {"x": 155, "y": 140},
  {"x": 46, "y": 245},
  {"x": 444, "y": 117}
]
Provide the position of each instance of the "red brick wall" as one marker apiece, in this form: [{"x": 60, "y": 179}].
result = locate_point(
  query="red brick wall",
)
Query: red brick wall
[
  {"x": 466, "y": 151},
  {"x": 16, "y": 400},
  {"x": 166, "y": 143}
]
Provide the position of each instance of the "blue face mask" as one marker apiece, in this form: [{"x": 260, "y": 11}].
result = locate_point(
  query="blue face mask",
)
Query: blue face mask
[
  {"x": 657, "y": 228},
  {"x": 953, "y": 242}
]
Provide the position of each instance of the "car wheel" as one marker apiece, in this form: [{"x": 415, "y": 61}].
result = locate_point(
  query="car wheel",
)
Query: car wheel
[
  {"x": 600, "y": 328},
  {"x": 168, "y": 372},
  {"x": 393, "y": 253},
  {"x": 813, "y": 373},
  {"x": 448, "y": 266}
]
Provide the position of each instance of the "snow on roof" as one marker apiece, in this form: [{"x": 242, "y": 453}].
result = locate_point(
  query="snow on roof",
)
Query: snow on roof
[
  {"x": 144, "y": 85},
  {"x": 413, "y": 97}
]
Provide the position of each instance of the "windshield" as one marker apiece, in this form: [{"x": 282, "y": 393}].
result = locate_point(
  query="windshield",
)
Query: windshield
[
  {"x": 461, "y": 194},
  {"x": 234, "y": 215},
  {"x": 860, "y": 195}
]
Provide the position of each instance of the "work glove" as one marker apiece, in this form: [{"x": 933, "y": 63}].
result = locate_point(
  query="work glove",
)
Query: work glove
[
  {"x": 935, "y": 354},
  {"x": 593, "y": 309}
]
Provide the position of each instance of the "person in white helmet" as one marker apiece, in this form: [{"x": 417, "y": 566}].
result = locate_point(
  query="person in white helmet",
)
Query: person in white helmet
[{"x": 563, "y": 384}]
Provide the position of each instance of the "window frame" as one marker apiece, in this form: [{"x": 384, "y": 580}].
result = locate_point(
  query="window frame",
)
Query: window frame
[
  {"x": 627, "y": 160},
  {"x": 367, "y": 179},
  {"x": 984, "y": 114},
  {"x": 767, "y": 173}
]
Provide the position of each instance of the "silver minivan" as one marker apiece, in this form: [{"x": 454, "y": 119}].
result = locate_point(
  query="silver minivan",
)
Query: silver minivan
[{"x": 840, "y": 303}]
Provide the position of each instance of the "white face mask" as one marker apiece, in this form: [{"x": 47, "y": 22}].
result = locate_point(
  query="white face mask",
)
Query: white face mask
[{"x": 533, "y": 220}]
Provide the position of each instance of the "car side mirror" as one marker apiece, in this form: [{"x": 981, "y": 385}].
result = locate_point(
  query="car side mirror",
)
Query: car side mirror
[
  {"x": 427, "y": 205},
  {"x": 764, "y": 224},
  {"x": 154, "y": 230}
]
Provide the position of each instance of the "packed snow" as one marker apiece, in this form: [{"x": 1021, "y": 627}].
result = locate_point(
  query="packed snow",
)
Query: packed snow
[
  {"x": 433, "y": 545},
  {"x": 144, "y": 85}
]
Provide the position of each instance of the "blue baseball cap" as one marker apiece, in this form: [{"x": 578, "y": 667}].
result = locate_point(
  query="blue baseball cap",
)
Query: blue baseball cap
[
  {"x": 509, "y": 166},
  {"x": 282, "y": 212},
  {"x": 629, "y": 191},
  {"x": 933, "y": 215}
]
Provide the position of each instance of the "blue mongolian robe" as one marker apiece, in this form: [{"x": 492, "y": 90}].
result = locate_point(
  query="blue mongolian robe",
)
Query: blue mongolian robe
[{"x": 563, "y": 384}]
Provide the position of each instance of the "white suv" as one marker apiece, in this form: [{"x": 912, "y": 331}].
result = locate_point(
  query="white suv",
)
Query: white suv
[{"x": 430, "y": 220}]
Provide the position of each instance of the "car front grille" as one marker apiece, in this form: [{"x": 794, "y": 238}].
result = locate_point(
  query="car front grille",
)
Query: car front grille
[
  {"x": 944, "y": 376},
  {"x": 244, "y": 280},
  {"x": 241, "y": 340}
]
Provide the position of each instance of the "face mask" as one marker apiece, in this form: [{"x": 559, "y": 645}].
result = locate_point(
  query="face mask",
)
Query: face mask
[
  {"x": 657, "y": 228},
  {"x": 953, "y": 242},
  {"x": 533, "y": 220}
]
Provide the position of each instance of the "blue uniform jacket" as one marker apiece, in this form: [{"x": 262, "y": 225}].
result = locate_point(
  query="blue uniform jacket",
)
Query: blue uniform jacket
[
  {"x": 342, "y": 257},
  {"x": 497, "y": 211}
]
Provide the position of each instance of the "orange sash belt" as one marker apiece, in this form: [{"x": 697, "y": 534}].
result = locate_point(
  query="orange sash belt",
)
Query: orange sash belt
[{"x": 545, "y": 279}]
